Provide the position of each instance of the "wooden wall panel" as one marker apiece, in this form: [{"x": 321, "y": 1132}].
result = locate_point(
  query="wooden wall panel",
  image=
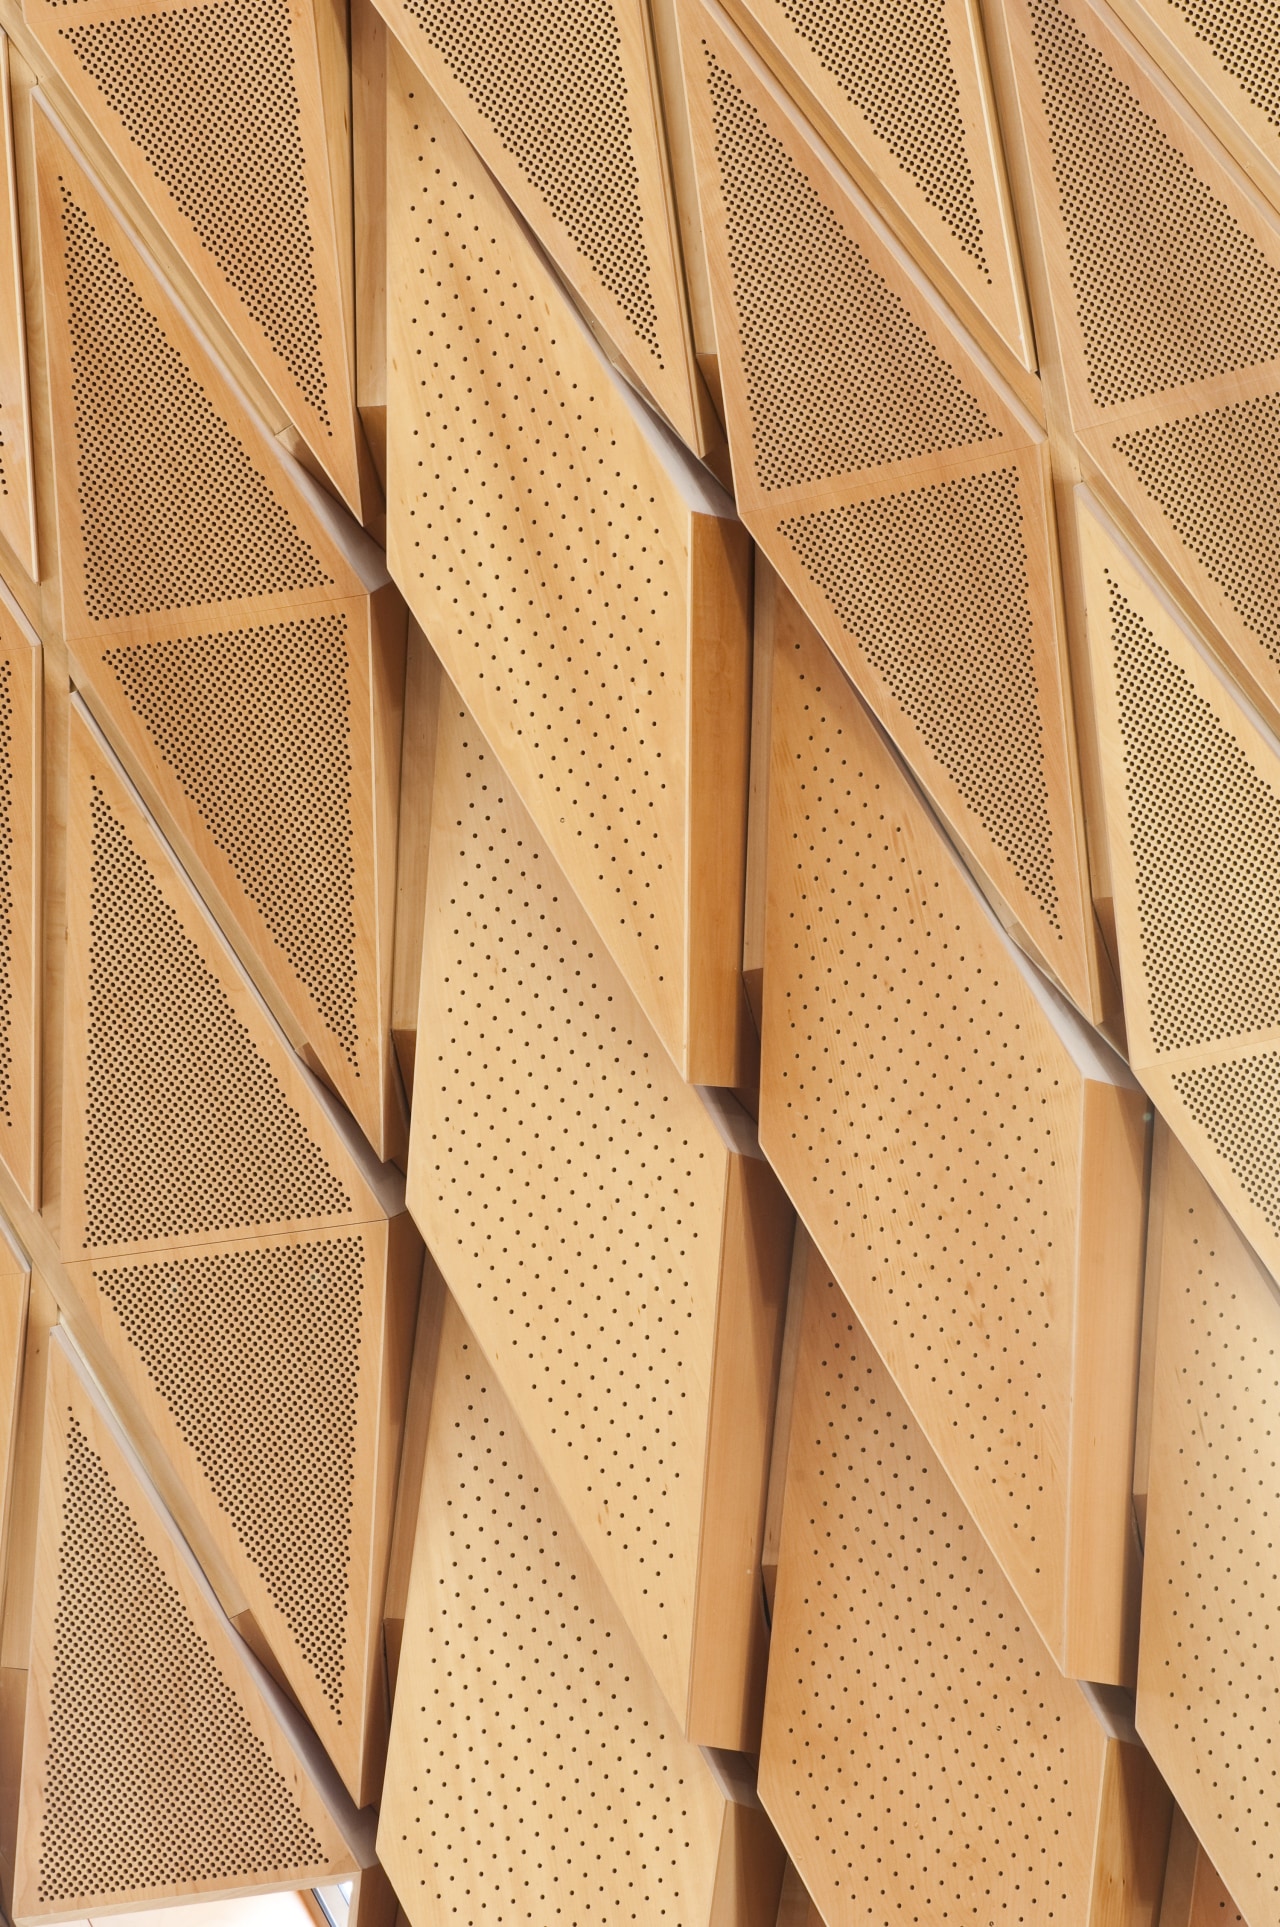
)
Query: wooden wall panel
[
  {"x": 257, "y": 201},
  {"x": 238, "y": 638},
  {"x": 535, "y": 1771},
  {"x": 21, "y": 791},
  {"x": 867, "y": 433},
  {"x": 622, "y": 1267},
  {"x": 1195, "y": 1894},
  {"x": 1207, "y": 1687},
  {"x": 585, "y": 585},
  {"x": 17, "y": 467},
  {"x": 157, "y": 1762},
  {"x": 967, "y": 1155},
  {"x": 921, "y": 1750}
]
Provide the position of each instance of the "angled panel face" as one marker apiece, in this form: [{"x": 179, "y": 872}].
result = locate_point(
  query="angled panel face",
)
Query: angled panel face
[
  {"x": 227, "y": 639},
  {"x": 1207, "y": 1686},
  {"x": 923, "y": 1758},
  {"x": 904, "y": 92},
  {"x": 17, "y": 482},
  {"x": 603, "y": 1236},
  {"x": 256, "y": 202},
  {"x": 133, "y": 1668},
  {"x": 21, "y": 688},
  {"x": 591, "y": 604},
  {"x": 967, "y": 1155},
  {"x": 563, "y": 108},
  {"x": 899, "y": 492},
  {"x": 535, "y": 1771}
]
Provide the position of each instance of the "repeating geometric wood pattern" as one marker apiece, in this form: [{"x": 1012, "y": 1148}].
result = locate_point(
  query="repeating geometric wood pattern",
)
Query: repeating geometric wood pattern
[
  {"x": 133, "y": 1670},
  {"x": 967, "y": 1155},
  {"x": 208, "y": 593},
  {"x": 535, "y": 1771},
  {"x": 866, "y": 430},
  {"x": 21, "y": 694},
  {"x": 923, "y": 1758},
  {"x": 231, "y": 121},
  {"x": 623, "y": 1269},
  {"x": 591, "y": 601},
  {"x": 563, "y": 109},
  {"x": 17, "y": 490},
  {"x": 1207, "y": 1685}
]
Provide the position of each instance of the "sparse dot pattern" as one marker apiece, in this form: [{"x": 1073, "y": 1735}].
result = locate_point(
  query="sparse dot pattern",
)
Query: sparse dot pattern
[
  {"x": 1169, "y": 287},
  {"x": 158, "y": 466},
  {"x": 256, "y": 726},
  {"x": 135, "y": 1687},
  {"x": 1237, "y": 1104},
  {"x": 257, "y": 1356},
  {"x": 187, "y": 1128},
  {"x": 933, "y": 587},
  {"x": 209, "y": 95},
  {"x": 6, "y": 890},
  {"x": 1245, "y": 37},
  {"x": 839, "y": 375}
]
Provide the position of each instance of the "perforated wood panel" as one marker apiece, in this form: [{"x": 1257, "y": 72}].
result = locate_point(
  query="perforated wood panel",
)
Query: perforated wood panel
[
  {"x": 965, "y": 1153},
  {"x": 134, "y": 1669},
  {"x": 1195, "y": 1894},
  {"x": 1164, "y": 274},
  {"x": 866, "y": 433},
  {"x": 17, "y": 484},
  {"x": 923, "y": 1758},
  {"x": 587, "y": 590},
  {"x": 256, "y": 200},
  {"x": 1207, "y": 1686},
  {"x": 535, "y": 1771},
  {"x": 622, "y": 1268},
  {"x": 21, "y": 674},
  {"x": 564, "y": 109}
]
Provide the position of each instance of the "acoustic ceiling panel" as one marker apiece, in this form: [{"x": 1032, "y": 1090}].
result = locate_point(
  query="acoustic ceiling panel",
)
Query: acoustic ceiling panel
[
  {"x": 923, "y": 1758},
  {"x": 226, "y": 636},
  {"x": 622, "y": 1267},
  {"x": 1207, "y": 1695},
  {"x": 587, "y": 588},
  {"x": 21, "y": 828},
  {"x": 899, "y": 491},
  {"x": 157, "y": 1763},
  {"x": 965, "y": 1152},
  {"x": 535, "y": 1771},
  {"x": 1193, "y": 820},
  {"x": 231, "y": 121},
  {"x": 904, "y": 94},
  {"x": 17, "y": 480},
  {"x": 1164, "y": 274},
  {"x": 563, "y": 107}
]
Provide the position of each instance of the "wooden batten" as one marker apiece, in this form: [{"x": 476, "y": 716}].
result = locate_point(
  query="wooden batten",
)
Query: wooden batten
[
  {"x": 17, "y": 465},
  {"x": 867, "y": 430},
  {"x": 968, "y": 1156},
  {"x": 21, "y": 921}
]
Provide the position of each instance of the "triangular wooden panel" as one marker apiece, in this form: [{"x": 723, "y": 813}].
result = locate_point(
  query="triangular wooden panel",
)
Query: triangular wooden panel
[
  {"x": 606, "y": 1234},
  {"x": 563, "y": 108},
  {"x": 1192, "y": 783},
  {"x": 17, "y": 480},
  {"x": 186, "y": 1117},
  {"x": 156, "y": 1764},
  {"x": 535, "y": 1772},
  {"x": 21, "y": 696},
  {"x": 899, "y": 492},
  {"x": 965, "y": 1152},
  {"x": 257, "y": 202},
  {"x": 1163, "y": 270},
  {"x": 1206, "y": 1674},
  {"x": 592, "y": 605},
  {"x": 903, "y": 94}
]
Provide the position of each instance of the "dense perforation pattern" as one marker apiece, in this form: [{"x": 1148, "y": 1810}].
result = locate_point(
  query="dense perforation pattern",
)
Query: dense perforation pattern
[
  {"x": 187, "y": 1128},
  {"x": 928, "y": 1766},
  {"x": 256, "y": 725},
  {"x": 1245, "y": 36},
  {"x": 544, "y": 1779},
  {"x": 1213, "y": 476},
  {"x": 553, "y": 87},
  {"x": 174, "y": 512},
  {"x": 1237, "y": 1104},
  {"x": 896, "y": 66},
  {"x": 7, "y": 800},
  {"x": 135, "y": 1687},
  {"x": 257, "y": 1356},
  {"x": 1169, "y": 287},
  {"x": 593, "y": 1214},
  {"x": 1205, "y": 829},
  {"x": 210, "y": 96},
  {"x": 839, "y": 375},
  {"x": 603, "y": 664},
  {"x": 953, "y": 640}
]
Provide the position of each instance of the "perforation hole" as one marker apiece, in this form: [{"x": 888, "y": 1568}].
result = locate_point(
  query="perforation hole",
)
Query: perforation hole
[
  {"x": 1245, "y": 35},
  {"x": 1237, "y": 1104}
]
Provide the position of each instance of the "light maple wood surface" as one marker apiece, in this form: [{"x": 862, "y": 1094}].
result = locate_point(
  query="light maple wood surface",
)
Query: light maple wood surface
[
  {"x": 21, "y": 892},
  {"x": 17, "y": 467}
]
